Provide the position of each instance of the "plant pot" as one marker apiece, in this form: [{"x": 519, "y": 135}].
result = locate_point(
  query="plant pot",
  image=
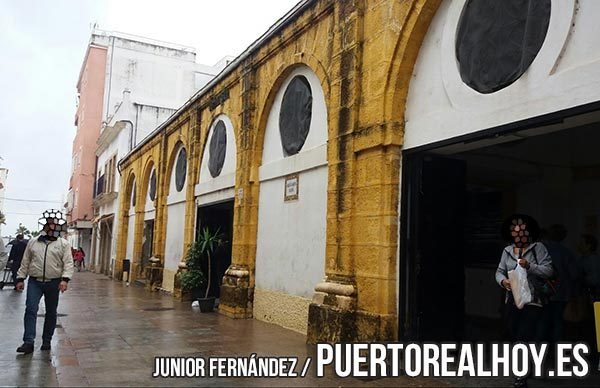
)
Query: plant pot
[
  {"x": 197, "y": 293},
  {"x": 207, "y": 305}
]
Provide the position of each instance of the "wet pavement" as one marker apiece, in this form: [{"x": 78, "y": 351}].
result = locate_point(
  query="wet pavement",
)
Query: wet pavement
[{"x": 108, "y": 334}]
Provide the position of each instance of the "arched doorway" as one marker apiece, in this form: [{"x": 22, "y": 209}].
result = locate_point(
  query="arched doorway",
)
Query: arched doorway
[
  {"x": 479, "y": 149},
  {"x": 290, "y": 256}
]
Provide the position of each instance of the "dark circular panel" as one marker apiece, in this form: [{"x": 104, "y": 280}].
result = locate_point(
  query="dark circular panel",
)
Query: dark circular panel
[
  {"x": 133, "y": 194},
  {"x": 152, "y": 191},
  {"x": 218, "y": 146},
  {"x": 295, "y": 115},
  {"x": 180, "y": 169},
  {"x": 497, "y": 41}
]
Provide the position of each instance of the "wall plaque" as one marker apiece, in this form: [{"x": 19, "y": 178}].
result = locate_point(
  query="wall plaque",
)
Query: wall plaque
[{"x": 292, "y": 183}]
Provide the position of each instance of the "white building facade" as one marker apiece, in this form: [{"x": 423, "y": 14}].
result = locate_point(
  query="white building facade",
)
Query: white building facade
[{"x": 146, "y": 81}]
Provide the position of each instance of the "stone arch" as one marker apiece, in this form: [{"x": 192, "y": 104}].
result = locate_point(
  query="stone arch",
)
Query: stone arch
[
  {"x": 173, "y": 221},
  {"x": 217, "y": 115},
  {"x": 129, "y": 187},
  {"x": 415, "y": 27},
  {"x": 291, "y": 219},
  {"x": 276, "y": 81},
  {"x": 144, "y": 183},
  {"x": 128, "y": 215},
  {"x": 171, "y": 164}
]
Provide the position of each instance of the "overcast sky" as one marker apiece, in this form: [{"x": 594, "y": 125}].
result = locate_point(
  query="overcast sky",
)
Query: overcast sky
[{"x": 42, "y": 44}]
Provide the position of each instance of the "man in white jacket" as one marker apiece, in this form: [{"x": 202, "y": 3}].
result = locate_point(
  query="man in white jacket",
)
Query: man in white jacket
[{"x": 49, "y": 264}]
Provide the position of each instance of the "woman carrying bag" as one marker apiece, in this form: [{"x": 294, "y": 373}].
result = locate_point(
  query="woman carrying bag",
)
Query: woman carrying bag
[{"x": 524, "y": 316}]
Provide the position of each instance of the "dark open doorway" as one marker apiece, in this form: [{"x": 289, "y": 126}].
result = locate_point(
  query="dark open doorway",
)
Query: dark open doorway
[
  {"x": 147, "y": 242},
  {"x": 218, "y": 217},
  {"x": 105, "y": 245},
  {"x": 455, "y": 198}
]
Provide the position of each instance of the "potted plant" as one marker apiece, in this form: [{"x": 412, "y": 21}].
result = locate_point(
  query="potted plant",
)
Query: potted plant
[{"x": 199, "y": 256}]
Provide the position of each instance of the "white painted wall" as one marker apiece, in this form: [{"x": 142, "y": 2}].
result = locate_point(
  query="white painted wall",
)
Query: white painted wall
[
  {"x": 174, "y": 240},
  {"x": 290, "y": 255},
  {"x": 565, "y": 73},
  {"x": 130, "y": 230},
  {"x": 175, "y": 222},
  {"x": 211, "y": 189},
  {"x": 147, "y": 118},
  {"x": 149, "y": 205},
  {"x": 317, "y": 134},
  {"x": 230, "y": 151}
]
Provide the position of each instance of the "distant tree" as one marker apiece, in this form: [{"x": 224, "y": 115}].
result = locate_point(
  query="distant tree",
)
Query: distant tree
[
  {"x": 35, "y": 233},
  {"x": 2, "y": 218},
  {"x": 23, "y": 230}
]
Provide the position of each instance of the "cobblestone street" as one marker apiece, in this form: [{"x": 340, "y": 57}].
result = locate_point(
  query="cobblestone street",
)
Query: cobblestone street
[{"x": 108, "y": 335}]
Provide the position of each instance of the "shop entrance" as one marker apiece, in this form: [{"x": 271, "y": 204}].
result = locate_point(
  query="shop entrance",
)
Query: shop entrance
[
  {"x": 455, "y": 198},
  {"x": 147, "y": 243},
  {"x": 218, "y": 217}
]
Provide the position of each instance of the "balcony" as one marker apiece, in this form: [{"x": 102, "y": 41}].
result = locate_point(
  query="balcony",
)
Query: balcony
[
  {"x": 101, "y": 196},
  {"x": 99, "y": 189}
]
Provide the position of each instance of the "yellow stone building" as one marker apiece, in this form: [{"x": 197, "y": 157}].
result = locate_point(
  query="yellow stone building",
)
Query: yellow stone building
[{"x": 315, "y": 234}]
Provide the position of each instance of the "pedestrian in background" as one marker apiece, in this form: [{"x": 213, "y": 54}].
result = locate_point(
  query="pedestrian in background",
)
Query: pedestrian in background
[
  {"x": 79, "y": 258},
  {"x": 16, "y": 255}
]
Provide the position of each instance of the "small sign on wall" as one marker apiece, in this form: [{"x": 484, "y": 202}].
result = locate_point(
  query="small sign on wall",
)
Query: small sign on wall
[{"x": 292, "y": 183}]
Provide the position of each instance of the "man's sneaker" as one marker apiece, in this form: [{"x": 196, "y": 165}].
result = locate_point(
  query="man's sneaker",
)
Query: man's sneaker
[
  {"x": 45, "y": 346},
  {"x": 25, "y": 348}
]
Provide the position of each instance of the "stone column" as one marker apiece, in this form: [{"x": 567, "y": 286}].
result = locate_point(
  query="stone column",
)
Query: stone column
[
  {"x": 237, "y": 289},
  {"x": 331, "y": 316}
]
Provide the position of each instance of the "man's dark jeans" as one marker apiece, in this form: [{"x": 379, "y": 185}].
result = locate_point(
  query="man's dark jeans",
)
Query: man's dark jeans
[{"x": 35, "y": 290}]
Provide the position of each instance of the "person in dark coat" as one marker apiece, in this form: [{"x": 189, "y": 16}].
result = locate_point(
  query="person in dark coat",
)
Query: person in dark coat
[
  {"x": 16, "y": 255},
  {"x": 564, "y": 262}
]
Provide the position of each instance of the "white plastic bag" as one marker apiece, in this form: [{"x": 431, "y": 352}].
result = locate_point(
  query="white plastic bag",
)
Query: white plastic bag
[{"x": 520, "y": 286}]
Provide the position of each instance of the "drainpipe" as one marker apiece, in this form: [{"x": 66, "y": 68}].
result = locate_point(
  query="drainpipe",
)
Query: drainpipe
[{"x": 112, "y": 55}]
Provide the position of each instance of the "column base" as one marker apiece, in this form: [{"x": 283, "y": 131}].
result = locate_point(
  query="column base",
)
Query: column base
[
  {"x": 154, "y": 276},
  {"x": 333, "y": 317},
  {"x": 178, "y": 293},
  {"x": 237, "y": 296}
]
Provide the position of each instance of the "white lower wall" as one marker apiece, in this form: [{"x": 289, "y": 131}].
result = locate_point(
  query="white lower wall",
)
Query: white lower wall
[
  {"x": 130, "y": 237},
  {"x": 290, "y": 255},
  {"x": 174, "y": 242}
]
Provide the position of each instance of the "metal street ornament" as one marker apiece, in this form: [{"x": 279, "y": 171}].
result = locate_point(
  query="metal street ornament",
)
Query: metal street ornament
[{"x": 497, "y": 41}]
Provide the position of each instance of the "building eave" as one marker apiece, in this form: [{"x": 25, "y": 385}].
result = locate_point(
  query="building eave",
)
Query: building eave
[{"x": 274, "y": 29}]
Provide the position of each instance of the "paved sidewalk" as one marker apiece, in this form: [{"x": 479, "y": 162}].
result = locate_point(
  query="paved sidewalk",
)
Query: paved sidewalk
[{"x": 108, "y": 335}]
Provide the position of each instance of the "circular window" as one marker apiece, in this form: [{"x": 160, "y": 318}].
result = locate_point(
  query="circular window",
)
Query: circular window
[
  {"x": 295, "y": 115},
  {"x": 497, "y": 41},
  {"x": 133, "y": 195},
  {"x": 180, "y": 169},
  {"x": 218, "y": 146},
  {"x": 152, "y": 191}
]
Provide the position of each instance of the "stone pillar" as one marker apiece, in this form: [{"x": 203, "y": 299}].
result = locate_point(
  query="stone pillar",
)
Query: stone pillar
[
  {"x": 332, "y": 313},
  {"x": 237, "y": 289}
]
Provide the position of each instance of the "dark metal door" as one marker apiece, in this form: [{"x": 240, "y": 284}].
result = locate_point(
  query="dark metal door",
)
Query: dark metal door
[{"x": 432, "y": 249}]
